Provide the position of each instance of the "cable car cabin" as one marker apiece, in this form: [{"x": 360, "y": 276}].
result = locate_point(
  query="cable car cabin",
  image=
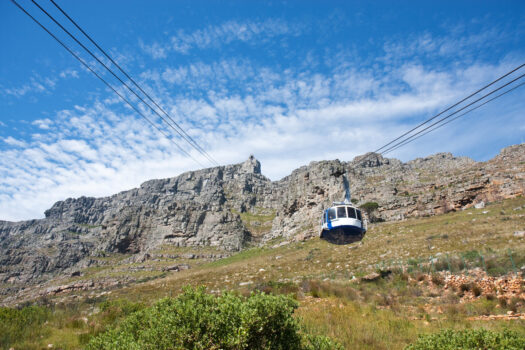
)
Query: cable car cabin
[{"x": 343, "y": 224}]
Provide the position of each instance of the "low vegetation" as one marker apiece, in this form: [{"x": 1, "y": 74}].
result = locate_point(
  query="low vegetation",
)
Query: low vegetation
[
  {"x": 197, "y": 320},
  {"x": 369, "y": 208},
  {"x": 257, "y": 222},
  {"x": 410, "y": 301},
  {"x": 470, "y": 339},
  {"x": 20, "y": 325}
]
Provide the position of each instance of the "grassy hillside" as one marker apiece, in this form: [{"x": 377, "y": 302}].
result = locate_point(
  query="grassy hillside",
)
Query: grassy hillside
[{"x": 408, "y": 295}]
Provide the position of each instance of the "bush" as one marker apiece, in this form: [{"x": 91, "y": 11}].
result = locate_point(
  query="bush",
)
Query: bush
[
  {"x": 318, "y": 342},
  {"x": 476, "y": 290},
  {"x": 469, "y": 339},
  {"x": 369, "y": 208},
  {"x": 276, "y": 288},
  {"x": 437, "y": 279},
  {"x": 197, "y": 320},
  {"x": 482, "y": 306},
  {"x": 471, "y": 255},
  {"x": 19, "y": 325},
  {"x": 327, "y": 289},
  {"x": 113, "y": 310}
]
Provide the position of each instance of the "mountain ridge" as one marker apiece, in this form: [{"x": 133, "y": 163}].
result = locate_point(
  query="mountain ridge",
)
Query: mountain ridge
[{"x": 235, "y": 206}]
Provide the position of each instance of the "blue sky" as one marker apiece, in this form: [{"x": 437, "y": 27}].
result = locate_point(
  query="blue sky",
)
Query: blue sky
[{"x": 290, "y": 82}]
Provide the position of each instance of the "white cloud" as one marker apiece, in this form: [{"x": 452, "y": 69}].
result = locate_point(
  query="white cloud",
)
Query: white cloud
[
  {"x": 217, "y": 35},
  {"x": 76, "y": 162},
  {"x": 155, "y": 50},
  {"x": 18, "y": 92},
  {"x": 36, "y": 85},
  {"x": 44, "y": 124},
  {"x": 456, "y": 43},
  {"x": 39, "y": 84},
  {"x": 14, "y": 142},
  {"x": 69, "y": 73},
  {"x": 236, "y": 107}
]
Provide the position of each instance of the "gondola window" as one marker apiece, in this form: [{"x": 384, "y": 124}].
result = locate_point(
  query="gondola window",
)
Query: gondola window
[{"x": 341, "y": 212}]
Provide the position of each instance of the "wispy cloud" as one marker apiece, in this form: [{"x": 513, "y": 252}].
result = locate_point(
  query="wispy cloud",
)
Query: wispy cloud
[
  {"x": 295, "y": 120},
  {"x": 40, "y": 85},
  {"x": 155, "y": 50},
  {"x": 14, "y": 142},
  {"x": 287, "y": 116},
  {"x": 456, "y": 43},
  {"x": 44, "y": 124},
  {"x": 69, "y": 73},
  {"x": 91, "y": 153},
  {"x": 35, "y": 85},
  {"x": 217, "y": 35}
]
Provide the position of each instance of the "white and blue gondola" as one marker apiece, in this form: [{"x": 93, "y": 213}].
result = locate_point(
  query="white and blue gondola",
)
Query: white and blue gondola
[{"x": 343, "y": 224}]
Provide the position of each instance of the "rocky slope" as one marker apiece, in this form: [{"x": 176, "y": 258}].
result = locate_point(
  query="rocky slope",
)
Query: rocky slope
[{"x": 233, "y": 206}]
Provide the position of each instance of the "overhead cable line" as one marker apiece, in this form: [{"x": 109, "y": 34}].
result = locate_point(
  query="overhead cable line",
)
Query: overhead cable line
[
  {"x": 456, "y": 117},
  {"x": 189, "y": 138},
  {"x": 118, "y": 78},
  {"x": 450, "y": 115},
  {"x": 449, "y": 108},
  {"x": 417, "y": 135},
  {"x": 104, "y": 81}
]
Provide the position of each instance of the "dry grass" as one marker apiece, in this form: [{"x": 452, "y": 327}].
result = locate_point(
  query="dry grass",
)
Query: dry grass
[
  {"x": 386, "y": 314},
  {"x": 387, "y": 245}
]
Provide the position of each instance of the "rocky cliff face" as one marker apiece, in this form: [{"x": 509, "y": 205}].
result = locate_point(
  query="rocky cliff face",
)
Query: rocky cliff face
[{"x": 233, "y": 206}]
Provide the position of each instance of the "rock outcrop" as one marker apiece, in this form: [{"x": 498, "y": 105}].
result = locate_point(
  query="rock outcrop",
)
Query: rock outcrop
[{"x": 233, "y": 206}]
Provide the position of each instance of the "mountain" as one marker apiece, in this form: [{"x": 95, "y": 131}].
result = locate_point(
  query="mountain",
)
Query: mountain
[{"x": 235, "y": 206}]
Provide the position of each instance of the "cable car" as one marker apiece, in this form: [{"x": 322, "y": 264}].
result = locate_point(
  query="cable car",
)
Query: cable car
[{"x": 343, "y": 223}]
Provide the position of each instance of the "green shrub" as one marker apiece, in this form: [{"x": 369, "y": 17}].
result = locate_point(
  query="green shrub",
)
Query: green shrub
[
  {"x": 318, "y": 342},
  {"x": 320, "y": 289},
  {"x": 197, "y": 320},
  {"x": 276, "y": 288},
  {"x": 19, "y": 325},
  {"x": 370, "y": 208},
  {"x": 482, "y": 306},
  {"x": 112, "y": 310},
  {"x": 469, "y": 339},
  {"x": 471, "y": 255}
]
